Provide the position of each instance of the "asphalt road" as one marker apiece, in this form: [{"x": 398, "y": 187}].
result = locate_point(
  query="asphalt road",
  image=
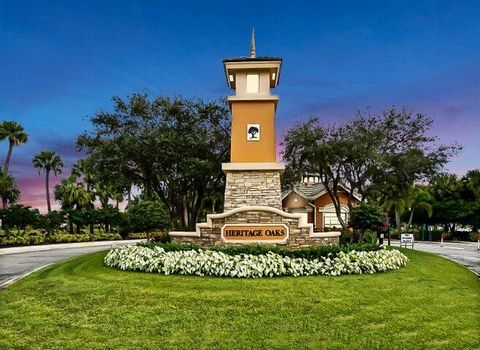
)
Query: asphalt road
[
  {"x": 15, "y": 262},
  {"x": 465, "y": 253}
]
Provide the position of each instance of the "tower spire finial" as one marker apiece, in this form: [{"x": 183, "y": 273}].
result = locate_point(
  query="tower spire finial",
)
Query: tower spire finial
[{"x": 252, "y": 44}]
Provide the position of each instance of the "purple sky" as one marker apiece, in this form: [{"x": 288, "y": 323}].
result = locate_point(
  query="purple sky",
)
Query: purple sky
[{"x": 62, "y": 61}]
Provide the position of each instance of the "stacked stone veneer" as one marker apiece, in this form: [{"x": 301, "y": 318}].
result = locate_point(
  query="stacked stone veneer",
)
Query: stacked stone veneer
[
  {"x": 300, "y": 234},
  {"x": 253, "y": 196},
  {"x": 253, "y": 187}
]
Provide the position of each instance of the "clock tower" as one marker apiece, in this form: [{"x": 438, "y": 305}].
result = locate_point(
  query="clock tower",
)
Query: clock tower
[{"x": 253, "y": 174}]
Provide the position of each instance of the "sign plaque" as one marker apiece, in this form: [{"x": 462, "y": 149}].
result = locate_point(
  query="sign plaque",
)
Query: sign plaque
[
  {"x": 255, "y": 233},
  {"x": 407, "y": 239}
]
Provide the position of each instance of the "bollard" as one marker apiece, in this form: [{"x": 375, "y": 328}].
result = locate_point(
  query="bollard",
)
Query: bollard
[
  {"x": 478, "y": 244},
  {"x": 441, "y": 240}
]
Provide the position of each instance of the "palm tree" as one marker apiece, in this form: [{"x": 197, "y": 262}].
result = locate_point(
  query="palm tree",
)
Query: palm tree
[
  {"x": 8, "y": 189},
  {"x": 445, "y": 186},
  {"x": 399, "y": 205},
  {"x": 15, "y": 133},
  {"x": 83, "y": 168},
  {"x": 419, "y": 198},
  {"x": 104, "y": 193},
  {"x": 471, "y": 182},
  {"x": 72, "y": 196},
  {"x": 48, "y": 161}
]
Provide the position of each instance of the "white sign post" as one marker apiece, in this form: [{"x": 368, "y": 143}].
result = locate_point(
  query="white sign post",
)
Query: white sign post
[{"x": 407, "y": 239}]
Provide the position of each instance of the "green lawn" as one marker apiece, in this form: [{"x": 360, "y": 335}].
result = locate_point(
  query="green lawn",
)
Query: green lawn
[{"x": 80, "y": 304}]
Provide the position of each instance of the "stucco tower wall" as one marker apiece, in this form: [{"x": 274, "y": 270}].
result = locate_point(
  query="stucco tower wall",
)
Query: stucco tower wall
[{"x": 253, "y": 112}]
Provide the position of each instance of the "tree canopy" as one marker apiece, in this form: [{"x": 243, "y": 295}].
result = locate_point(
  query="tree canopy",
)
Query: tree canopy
[
  {"x": 170, "y": 148},
  {"x": 378, "y": 156}
]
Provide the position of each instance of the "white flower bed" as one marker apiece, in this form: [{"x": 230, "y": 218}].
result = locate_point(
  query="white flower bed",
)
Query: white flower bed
[{"x": 211, "y": 263}]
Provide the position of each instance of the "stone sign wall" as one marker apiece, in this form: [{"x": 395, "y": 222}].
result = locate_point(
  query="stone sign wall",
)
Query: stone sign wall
[{"x": 298, "y": 231}]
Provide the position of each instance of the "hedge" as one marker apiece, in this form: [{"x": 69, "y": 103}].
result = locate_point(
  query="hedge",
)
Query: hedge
[{"x": 309, "y": 253}]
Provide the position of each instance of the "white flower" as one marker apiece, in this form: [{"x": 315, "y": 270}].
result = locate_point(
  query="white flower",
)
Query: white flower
[{"x": 211, "y": 263}]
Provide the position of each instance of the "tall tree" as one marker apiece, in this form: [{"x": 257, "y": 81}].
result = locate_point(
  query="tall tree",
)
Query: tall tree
[
  {"x": 471, "y": 185},
  {"x": 73, "y": 196},
  {"x": 16, "y": 135},
  {"x": 455, "y": 201},
  {"x": 48, "y": 162},
  {"x": 419, "y": 199},
  {"x": 104, "y": 193},
  {"x": 8, "y": 189},
  {"x": 170, "y": 148},
  {"x": 377, "y": 156}
]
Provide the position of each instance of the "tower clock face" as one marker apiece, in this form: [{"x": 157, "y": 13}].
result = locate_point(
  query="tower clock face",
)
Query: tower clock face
[{"x": 253, "y": 132}]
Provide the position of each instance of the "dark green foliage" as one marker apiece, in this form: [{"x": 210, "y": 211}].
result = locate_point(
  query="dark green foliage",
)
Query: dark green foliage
[
  {"x": 9, "y": 192},
  {"x": 454, "y": 201},
  {"x": 169, "y": 247},
  {"x": 35, "y": 237},
  {"x": 370, "y": 237},
  {"x": 147, "y": 215},
  {"x": 366, "y": 216},
  {"x": 171, "y": 148},
  {"x": 19, "y": 217},
  {"x": 306, "y": 253},
  {"x": 109, "y": 216},
  {"x": 259, "y": 249},
  {"x": 52, "y": 221},
  {"x": 378, "y": 156},
  {"x": 160, "y": 237}
]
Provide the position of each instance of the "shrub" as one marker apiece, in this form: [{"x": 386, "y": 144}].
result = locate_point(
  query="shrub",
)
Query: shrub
[
  {"x": 474, "y": 236},
  {"x": 370, "y": 237},
  {"x": 259, "y": 249},
  {"x": 51, "y": 222},
  {"x": 366, "y": 216},
  {"x": 105, "y": 236},
  {"x": 34, "y": 237},
  {"x": 216, "y": 263},
  {"x": 19, "y": 217},
  {"x": 147, "y": 216},
  {"x": 136, "y": 235},
  {"x": 346, "y": 236},
  {"x": 60, "y": 237},
  {"x": 160, "y": 237},
  {"x": 169, "y": 247}
]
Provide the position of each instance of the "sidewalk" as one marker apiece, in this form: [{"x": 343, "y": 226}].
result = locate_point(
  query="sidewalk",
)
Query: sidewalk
[{"x": 37, "y": 248}]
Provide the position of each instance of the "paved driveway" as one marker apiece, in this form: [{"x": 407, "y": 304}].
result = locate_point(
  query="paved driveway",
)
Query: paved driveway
[
  {"x": 464, "y": 253},
  {"x": 15, "y": 262}
]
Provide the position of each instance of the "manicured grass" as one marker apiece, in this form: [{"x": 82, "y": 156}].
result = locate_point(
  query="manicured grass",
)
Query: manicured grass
[{"x": 433, "y": 303}]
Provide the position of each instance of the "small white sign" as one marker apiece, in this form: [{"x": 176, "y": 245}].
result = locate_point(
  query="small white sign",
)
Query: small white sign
[
  {"x": 253, "y": 132},
  {"x": 407, "y": 239}
]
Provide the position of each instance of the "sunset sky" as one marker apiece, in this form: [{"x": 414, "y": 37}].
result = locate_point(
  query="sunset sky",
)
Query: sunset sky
[{"x": 61, "y": 61}]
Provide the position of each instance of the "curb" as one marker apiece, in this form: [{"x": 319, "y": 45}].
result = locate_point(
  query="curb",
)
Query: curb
[{"x": 8, "y": 282}]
